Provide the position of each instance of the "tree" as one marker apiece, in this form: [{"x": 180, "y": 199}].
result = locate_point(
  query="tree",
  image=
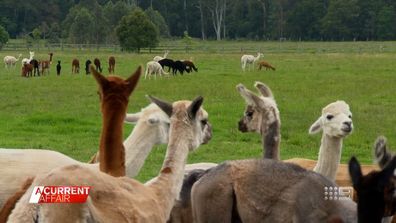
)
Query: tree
[
  {"x": 82, "y": 27},
  {"x": 136, "y": 31},
  {"x": 157, "y": 19},
  {"x": 3, "y": 37}
]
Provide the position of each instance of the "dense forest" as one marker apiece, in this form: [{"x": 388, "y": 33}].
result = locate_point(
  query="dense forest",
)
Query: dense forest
[{"x": 94, "y": 21}]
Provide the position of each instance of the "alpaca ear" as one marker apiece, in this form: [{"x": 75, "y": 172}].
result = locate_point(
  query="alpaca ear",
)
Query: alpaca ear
[
  {"x": 194, "y": 107},
  {"x": 316, "y": 126},
  {"x": 389, "y": 170},
  {"x": 354, "y": 171},
  {"x": 249, "y": 96},
  {"x": 382, "y": 155},
  {"x": 134, "y": 79},
  {"x": 102, "y": 81},
  {"x": 132, "y": 118},
  {"x": 264, "y": 89},
  {"x": 163, "y": 105}
]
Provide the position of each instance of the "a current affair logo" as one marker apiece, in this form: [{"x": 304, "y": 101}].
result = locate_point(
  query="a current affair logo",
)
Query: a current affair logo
[{"x": 59, "y": 194}]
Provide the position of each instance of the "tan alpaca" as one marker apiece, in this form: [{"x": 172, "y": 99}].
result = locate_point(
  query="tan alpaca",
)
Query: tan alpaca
[
  {"x": 124, "y": 199},
  {"x": 265, "y": 64}
]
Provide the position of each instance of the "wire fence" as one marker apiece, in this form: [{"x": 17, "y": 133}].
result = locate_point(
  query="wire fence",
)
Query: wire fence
[{"x": 223, "y": 47}]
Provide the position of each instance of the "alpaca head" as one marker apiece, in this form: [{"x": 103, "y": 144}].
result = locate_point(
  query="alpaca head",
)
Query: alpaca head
[
  {"x": 31, "y": 53},
  {"x": 261, "y": 111},
  {"x": 154, "y": 118},
  {"x": 189, "y": 118},
  {"x": 113, "y": 90},
  {"x": 335, "y": 121},
  {"x": 375, "y": 191},
  {"x": 382, "y": 153}
]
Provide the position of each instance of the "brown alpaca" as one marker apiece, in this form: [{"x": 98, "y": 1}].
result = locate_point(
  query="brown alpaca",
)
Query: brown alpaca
[
  {"x": 75, "y": 66},
  {"x": 266, "y": 65},
  {"x": 27, "y": 70},
  {"x": 124, "y": 199},
  {"x": 45, "y": 65},
  {"x": 97, "y": 65},
  {"x": 9, "y": 205},
  {"x": 190, "y": 66},
  {"x": 114, "y": 93},
  {"x": 111, "y": 64}
]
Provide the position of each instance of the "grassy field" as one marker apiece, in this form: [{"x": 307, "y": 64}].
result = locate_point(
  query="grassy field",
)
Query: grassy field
[{"x": 62, "y": 113}]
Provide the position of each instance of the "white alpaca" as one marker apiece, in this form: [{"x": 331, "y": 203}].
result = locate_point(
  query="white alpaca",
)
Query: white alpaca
[
  {"x": 10, "y": 61},
  {"x": 153, "y": 67},
  {"x": 249, "y": 59},
  {"x": 158, "y": 58},
  {"x": 27, "y": 60},
  {"x": 152, "y": 128}
]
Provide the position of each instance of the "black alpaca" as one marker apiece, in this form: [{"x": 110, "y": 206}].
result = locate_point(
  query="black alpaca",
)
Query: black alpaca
[
  {"x": 87, "y": 63},
  {"x": 178, "y": 66},
  {"x": 58, "y": 68},
  {"x": 36, "y": 67},
  {"x": 190, "y": 66},
  {"x": 166, "y": 63}
]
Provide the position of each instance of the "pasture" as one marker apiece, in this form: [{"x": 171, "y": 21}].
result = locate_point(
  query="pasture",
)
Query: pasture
[{"x": 62, "y": 112}]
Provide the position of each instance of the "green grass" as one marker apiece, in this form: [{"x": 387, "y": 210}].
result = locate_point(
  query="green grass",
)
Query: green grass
[{"x": 62, "y": 113}]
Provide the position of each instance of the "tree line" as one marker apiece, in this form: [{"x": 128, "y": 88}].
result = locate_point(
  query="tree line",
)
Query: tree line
[{"x": 95, "y": 21}]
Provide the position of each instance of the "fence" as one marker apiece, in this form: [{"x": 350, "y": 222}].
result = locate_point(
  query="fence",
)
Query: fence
[{"x": 223, "y": 47}]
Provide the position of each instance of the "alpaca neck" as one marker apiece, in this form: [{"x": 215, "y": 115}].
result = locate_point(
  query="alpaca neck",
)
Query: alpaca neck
[
  {"x": 169, "y": 182},
  {"x": 138, "y": 146},
  {"x": 112, "y": 158},
  {"x": 271, "y": 141},
  {"x": 329, "y": 156}
]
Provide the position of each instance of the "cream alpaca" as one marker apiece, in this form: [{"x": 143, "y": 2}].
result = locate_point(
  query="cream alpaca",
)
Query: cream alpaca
[{"x": 123, "y": 199}]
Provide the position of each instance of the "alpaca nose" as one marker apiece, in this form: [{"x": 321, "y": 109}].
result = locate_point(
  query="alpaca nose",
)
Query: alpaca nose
[{"x": 349, "y": 124}]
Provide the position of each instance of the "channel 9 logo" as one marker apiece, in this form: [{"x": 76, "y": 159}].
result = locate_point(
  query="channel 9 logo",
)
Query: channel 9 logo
[{"x": 338, "y": 193}]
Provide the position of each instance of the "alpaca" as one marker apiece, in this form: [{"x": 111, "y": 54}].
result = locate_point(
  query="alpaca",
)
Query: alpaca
[
  {"x": 27, "y": 70},
  {"x": 178, "y": 66},
  {"x": 129, "y": 199},
  {"x": 158, "y": 58},
  {"x": 111, "y": 65},
  {"x": 10, "y": 61},
  {"x": 97, "y": 65},
  {"x": 266, "y": 65},
  {"x": 36, "y": 66},
  {"x": 155, "y": 68},
  {"x": 29, "y": 163},
  {"x": 45, "y": 65},
  {"x": 27, "y": 60},
  {"x": 75, "y": 66},
  {"x": 190, "y": 66},
  {"x": 58, "y": 68},
  {"x": 375, "y": 191},
  {"x": 250, "y": 60},
  {"x": 265, "y": 190},
  {"x": 166, "y": 63},
  {"x": 87, "y": 64}
]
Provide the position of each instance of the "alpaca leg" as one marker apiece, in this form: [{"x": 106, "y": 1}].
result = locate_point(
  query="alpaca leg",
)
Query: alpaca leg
[{"x": 212, "y": 197}]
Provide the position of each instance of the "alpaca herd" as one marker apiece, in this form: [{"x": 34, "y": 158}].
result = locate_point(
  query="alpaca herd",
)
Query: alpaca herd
[{"x": 268, "y": 189}]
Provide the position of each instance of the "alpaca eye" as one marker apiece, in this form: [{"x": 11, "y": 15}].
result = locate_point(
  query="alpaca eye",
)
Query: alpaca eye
[
  {"x": 204, "y": 122},
  {"x": 249, "y": 113},
  {"x": 329, "y": 117},
  {"x": 350, "y": 116}
]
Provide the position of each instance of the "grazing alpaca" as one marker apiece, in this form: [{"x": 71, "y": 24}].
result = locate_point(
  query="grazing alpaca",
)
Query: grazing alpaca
[
  {"x": 75, "y": 66},
  {"x": 27, "y": 60},
  {"x": 249, "y": 59},
  {"x": 190, "y": 66},
  {"x": 375, "y": 191},
  {"x": 27, "y": 70},
  {"x": 45, "y": 65},
  {"x": 158, "y": 58},
  {"x": 87, "y": 64},
  {"x": 265, "y": 190},
  {"x": 111, "y": 65},
  {"x": 155, "y": 68},
  {"x": 10, "y": 61},
  {"x": 178, "y": 66},
  {"x": 166, "y": 63},
  {"x": 266, "y": 65},
  {"x": 36, "y": 66},
  {"x": 58, "y": 68},
  {"x": 129, "y": 199},
  {"x": 97, "y": 65}
]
